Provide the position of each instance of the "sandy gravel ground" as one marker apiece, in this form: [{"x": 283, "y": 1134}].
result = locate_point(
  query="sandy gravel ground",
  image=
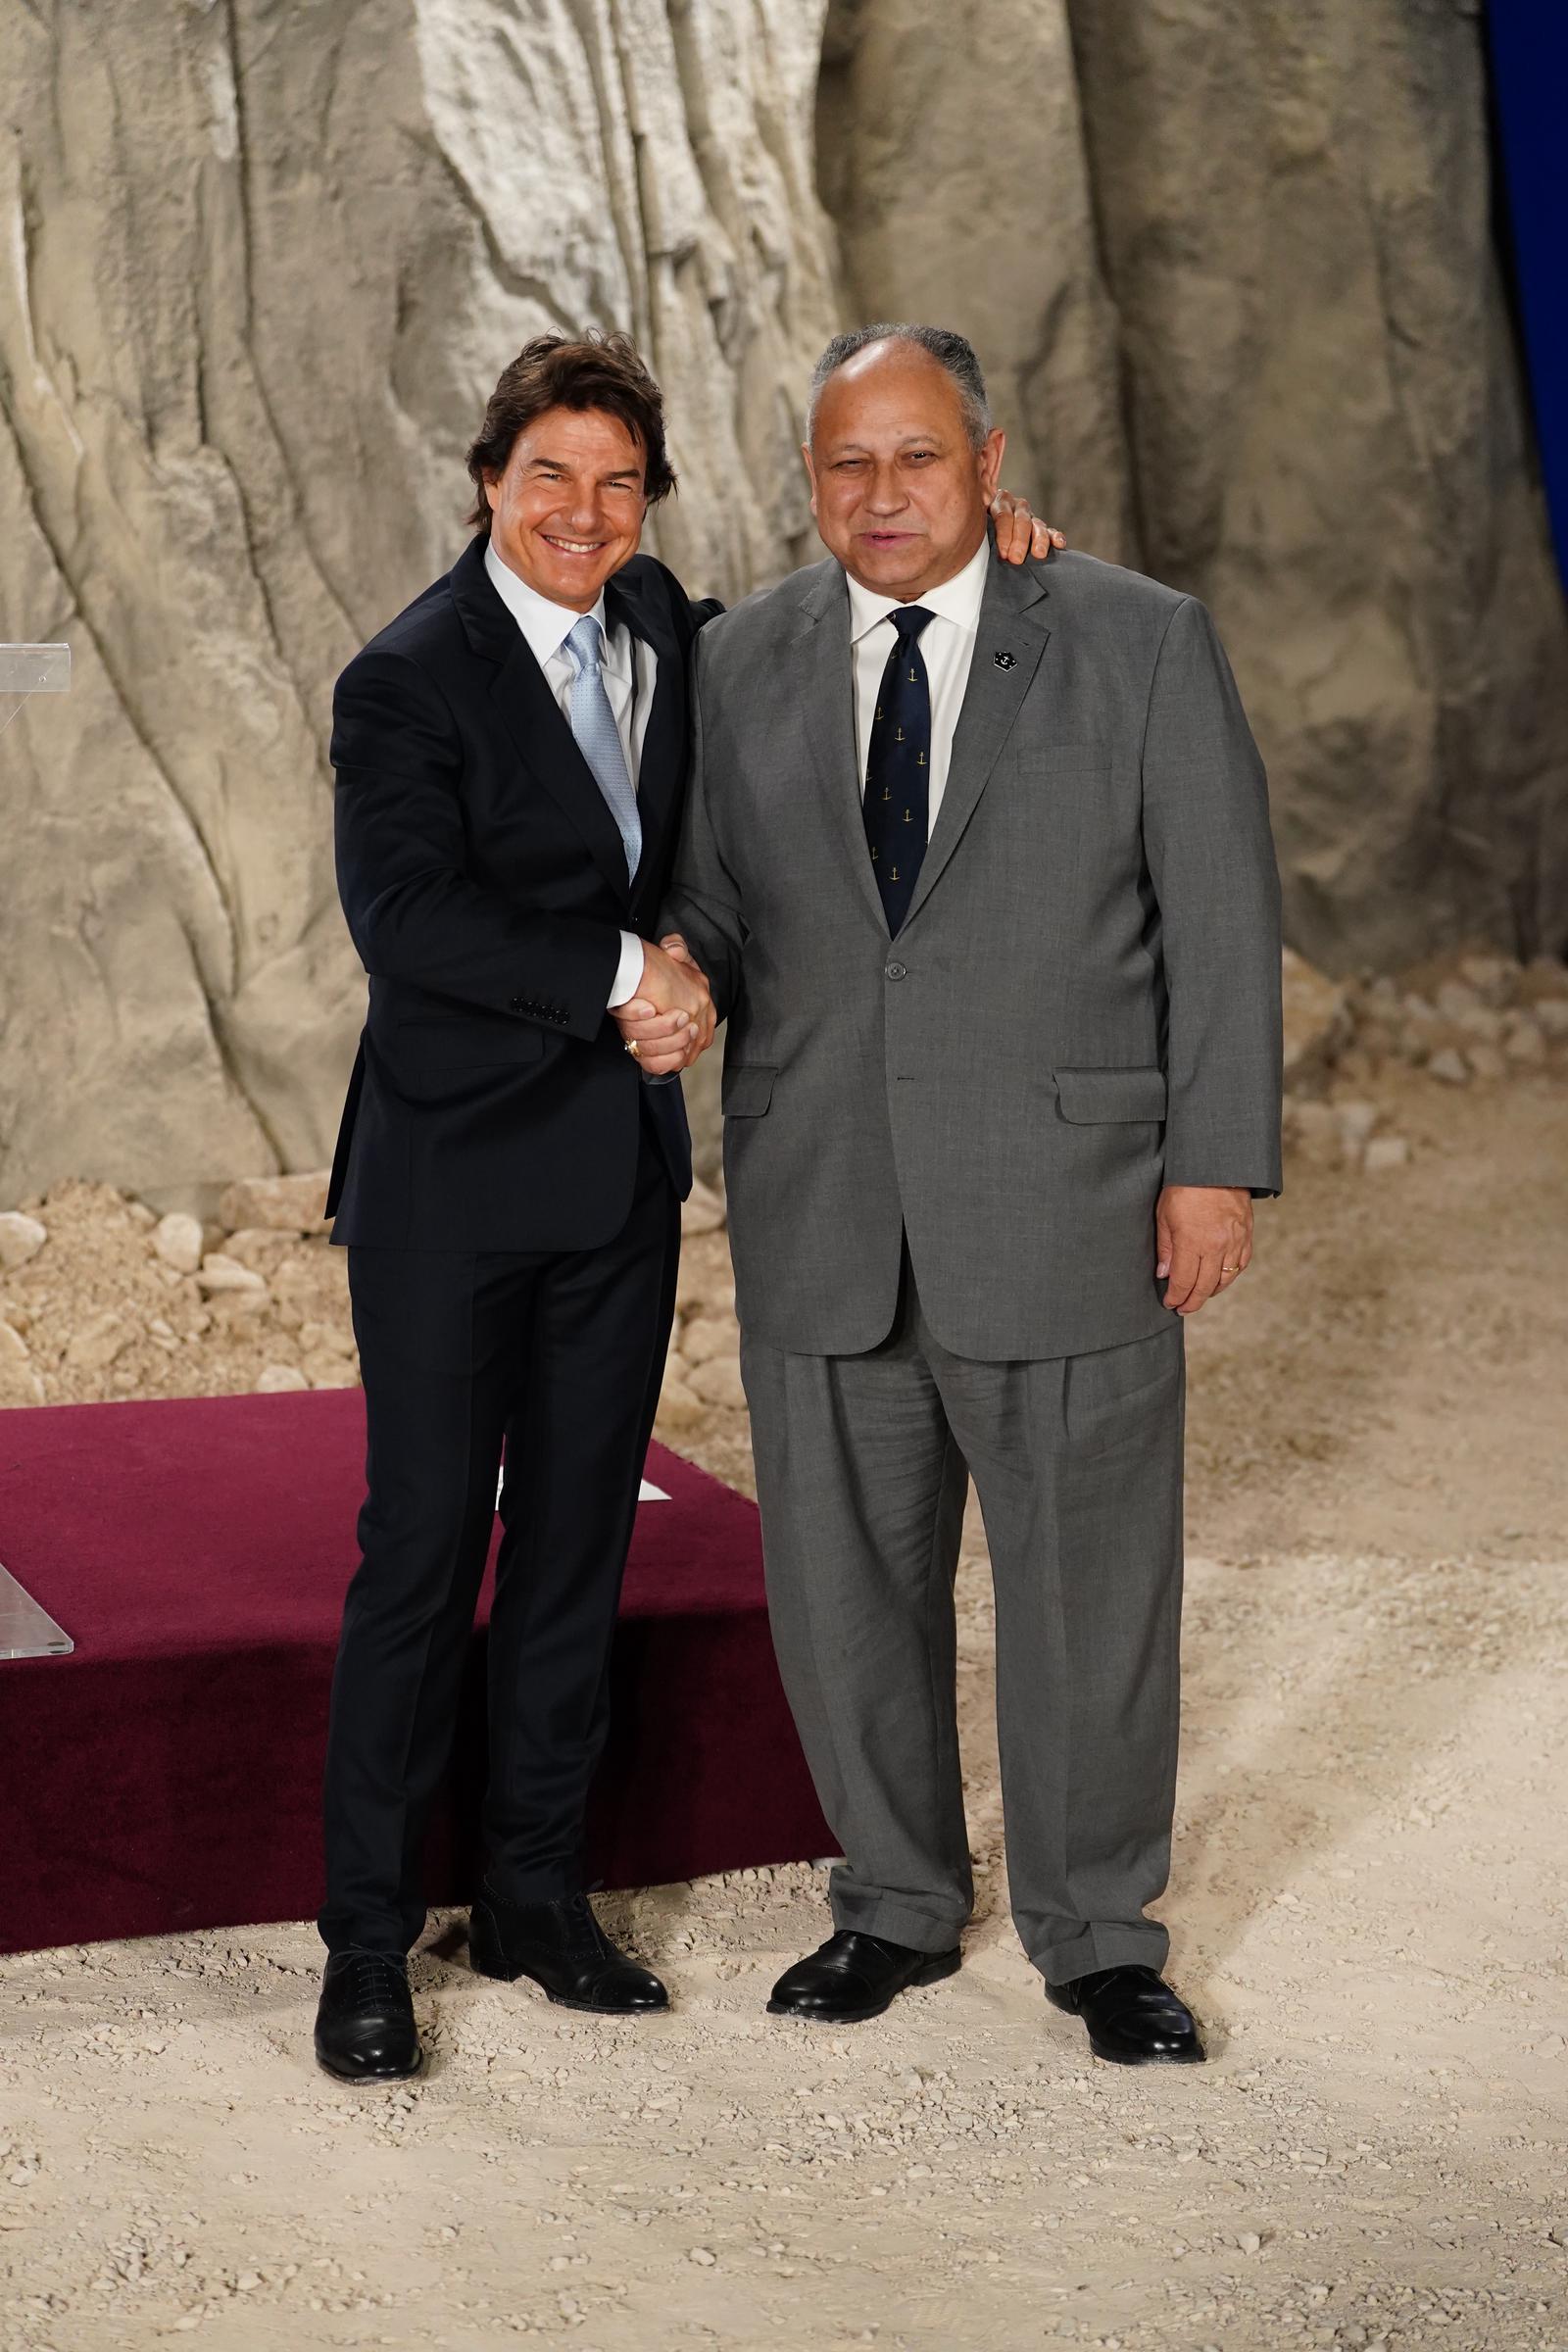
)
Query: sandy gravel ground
[{"x": 1368, "y": 1908}]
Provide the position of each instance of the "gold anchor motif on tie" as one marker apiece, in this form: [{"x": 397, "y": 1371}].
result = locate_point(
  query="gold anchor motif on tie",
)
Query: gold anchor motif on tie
[
  {"x": 887, "y": 792},
  {"x": 913, "y": 678},
  {"x": 897, "y": 735},
  {"x": 873, "y": 853},
  {"x": 907, "y": 819},
  {"x": 879, "y": 713},
  {"x": 919, "y": 758},
  {"x": 893, "y": 877}
]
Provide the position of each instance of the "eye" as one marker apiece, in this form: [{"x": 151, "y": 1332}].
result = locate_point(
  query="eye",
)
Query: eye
[{"x": 919, "y": 456}]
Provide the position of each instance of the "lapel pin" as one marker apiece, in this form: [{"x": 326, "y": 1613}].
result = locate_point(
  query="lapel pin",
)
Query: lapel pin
[{"x": 1003, "y": 661}]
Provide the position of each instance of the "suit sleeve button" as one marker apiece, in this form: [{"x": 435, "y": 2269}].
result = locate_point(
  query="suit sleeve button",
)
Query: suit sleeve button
[{"x": 895, "y": 971}]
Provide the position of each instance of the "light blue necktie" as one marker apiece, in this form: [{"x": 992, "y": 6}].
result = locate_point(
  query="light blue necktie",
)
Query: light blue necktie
[{"x": 593, "y": 723}]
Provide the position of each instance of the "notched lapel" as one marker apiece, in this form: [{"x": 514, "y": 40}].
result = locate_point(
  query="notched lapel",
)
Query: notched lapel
[{"x": 1013, "y": 621}]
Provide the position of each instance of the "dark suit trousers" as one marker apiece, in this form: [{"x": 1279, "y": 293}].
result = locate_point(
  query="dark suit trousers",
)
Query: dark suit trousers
[{"x": 557, "y": 1358}]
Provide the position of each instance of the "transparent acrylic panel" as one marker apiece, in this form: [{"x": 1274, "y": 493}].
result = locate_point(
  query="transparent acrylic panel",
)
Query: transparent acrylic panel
[
  {"x": 31, "y": 669},
  {"x": 25, "y": 1630},
  {"x": 34, "y": 668}
]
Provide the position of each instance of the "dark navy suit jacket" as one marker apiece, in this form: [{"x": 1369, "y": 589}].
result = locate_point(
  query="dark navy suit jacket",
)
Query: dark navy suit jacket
[{"x": 493, "y": 1107}]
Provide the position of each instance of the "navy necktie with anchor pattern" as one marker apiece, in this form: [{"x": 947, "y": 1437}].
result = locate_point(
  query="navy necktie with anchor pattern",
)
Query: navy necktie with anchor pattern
[{"x": 898, "y": 768}]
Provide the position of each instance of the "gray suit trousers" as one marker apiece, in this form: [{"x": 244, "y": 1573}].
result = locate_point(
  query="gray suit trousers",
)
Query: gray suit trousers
[{"x": 863, "y": 1467}]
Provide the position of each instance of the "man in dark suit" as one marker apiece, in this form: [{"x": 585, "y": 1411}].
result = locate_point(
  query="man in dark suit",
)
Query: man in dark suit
[{"x": 510, "y": 755}]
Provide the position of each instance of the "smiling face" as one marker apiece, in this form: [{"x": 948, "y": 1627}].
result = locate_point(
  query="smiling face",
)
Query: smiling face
[
  {"x": 898, "y": 490},
  {"x": 566, "y": 510}
]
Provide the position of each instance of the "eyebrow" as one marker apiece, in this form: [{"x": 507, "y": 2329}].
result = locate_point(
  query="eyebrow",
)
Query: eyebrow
[
  {"x": 620, "y": 473},
  {"x": 859, "y": 449}
]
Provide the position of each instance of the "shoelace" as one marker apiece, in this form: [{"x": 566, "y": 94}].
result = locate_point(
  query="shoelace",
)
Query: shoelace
[
  {"x": 585, "y": 1938},
  {"x": 374, "y": 1980}
]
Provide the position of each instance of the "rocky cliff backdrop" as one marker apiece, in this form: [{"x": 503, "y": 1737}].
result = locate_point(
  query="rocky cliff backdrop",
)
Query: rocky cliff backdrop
[{"x": 1231, "y": 264}]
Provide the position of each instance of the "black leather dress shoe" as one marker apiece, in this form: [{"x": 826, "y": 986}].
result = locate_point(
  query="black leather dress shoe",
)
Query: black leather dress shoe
[
  {"x": 1134, "y": 2017},
  {"x": 563, "y": 1947},
  {"x": 853, "y": 1977},
  {"x": 365, "y": 2028}
]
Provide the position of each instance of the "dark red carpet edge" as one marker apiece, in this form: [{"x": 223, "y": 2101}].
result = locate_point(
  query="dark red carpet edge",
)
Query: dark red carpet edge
[{"x": 168, "y": 1775}]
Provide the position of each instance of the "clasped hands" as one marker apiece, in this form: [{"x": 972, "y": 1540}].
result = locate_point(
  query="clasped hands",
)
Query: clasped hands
[{"x": 671, "y": 1020}]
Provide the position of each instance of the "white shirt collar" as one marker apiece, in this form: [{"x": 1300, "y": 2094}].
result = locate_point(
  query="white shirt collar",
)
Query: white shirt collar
[
  {"x": 957, "y": 599},
  {"x": 545, "y": 625}
]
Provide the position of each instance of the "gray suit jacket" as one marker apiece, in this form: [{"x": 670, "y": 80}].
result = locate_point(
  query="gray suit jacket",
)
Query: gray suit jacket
[{"x": 1083, "y": 1003}]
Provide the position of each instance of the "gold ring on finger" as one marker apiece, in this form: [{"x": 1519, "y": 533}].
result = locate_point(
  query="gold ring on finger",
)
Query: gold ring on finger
[{"x": 634, "y": 1049}]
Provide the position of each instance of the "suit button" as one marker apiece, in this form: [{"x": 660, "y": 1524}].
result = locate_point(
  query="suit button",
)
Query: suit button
[{"x": 896, "y": 971}]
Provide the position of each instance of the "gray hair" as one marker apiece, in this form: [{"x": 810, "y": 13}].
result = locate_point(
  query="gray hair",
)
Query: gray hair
[{"x": 943, "y": 344}]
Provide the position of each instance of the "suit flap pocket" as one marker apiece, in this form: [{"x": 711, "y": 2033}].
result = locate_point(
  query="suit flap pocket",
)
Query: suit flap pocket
[
  {"x": 466, "y": 1044},
  {"x": 1089, "y": 1095},
  {"x": 748, "y": 1090}
]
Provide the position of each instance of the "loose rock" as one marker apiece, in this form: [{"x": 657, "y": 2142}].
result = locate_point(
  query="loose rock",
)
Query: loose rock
[
  {"x": 21, "y": 1237},
  {"x": 177, "y": 1240}
]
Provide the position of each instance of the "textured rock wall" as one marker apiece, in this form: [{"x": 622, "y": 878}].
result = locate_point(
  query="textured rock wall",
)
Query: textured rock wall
[
  {"x": 259, "y": 268},
  {"x": 1228, "y": 260},
  {"x": 1233, "y": 263}
]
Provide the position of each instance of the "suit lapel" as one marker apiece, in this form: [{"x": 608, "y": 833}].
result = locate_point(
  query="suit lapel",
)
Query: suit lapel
[
  {"x": 824, "y": 664},
  {"x": 661, "y": 769},
  {"x": 529, "y": 710},
  {"x": 1011, "y": 622}
]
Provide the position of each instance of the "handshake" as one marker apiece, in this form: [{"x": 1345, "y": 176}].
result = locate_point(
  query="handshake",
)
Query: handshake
[{"x": 672, "y": 1018}]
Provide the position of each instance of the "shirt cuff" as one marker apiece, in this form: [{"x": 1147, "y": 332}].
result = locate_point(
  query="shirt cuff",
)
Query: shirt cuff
[{"x": 628, "y": 972}]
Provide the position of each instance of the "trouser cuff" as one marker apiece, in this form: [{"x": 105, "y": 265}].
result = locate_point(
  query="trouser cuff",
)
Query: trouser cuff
[
  {"x": 896, "y": 1921},
  {"x": 1117, "y": 1945}
]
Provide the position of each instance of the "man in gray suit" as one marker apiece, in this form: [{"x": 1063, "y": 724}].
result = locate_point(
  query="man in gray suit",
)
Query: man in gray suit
[{"x": 979, "y": 863}]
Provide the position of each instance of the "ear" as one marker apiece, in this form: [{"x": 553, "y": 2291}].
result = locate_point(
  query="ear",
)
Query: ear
[
  {"x": 490, "y": 479},
  {"x": 992, "y": 452},
  {"x": 811, "y": 472}
]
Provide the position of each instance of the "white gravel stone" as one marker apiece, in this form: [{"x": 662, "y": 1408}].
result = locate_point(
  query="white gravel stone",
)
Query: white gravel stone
[
  {"x": 20, "y": 1236},
  {"x": 219, "y": 1273},
  {"x": 1525, "y": 1043},
  {"x": 97, "y": 1342},
  {"x": 1385, "y": 1151},
  {"x": 1450, "y": 1065},
  {"x": 1487, "y": 1061},
  {"x": 1551, "y": 1015},
  {"x": 275, "y": 1380},
  {"x": 177, "y": 1240}
]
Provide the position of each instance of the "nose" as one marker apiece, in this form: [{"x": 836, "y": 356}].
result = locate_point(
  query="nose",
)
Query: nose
[
  {"x": 887, "y": 493},
  {"x": 585, "y": 515}
]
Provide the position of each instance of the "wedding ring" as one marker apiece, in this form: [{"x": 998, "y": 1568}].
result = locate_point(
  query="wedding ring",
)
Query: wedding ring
[
  {"x": 634, "y": 1049},
  {"x": 1223, "y": 1269}
]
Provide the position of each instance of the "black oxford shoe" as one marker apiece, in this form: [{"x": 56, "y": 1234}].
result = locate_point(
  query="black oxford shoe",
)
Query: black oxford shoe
[
  {"x": 1133, "y": 2017},
  {"x": 365, "y": 2028},
  {"x": 563, "y": 1947},
  {"x": 853, "y": 1977}
]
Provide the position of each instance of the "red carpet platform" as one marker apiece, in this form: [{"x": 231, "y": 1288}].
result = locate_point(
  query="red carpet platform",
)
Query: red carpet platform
[{"x": 167, "y": 1776}]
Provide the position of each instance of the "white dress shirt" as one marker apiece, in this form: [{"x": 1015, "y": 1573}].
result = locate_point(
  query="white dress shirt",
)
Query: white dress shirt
[
  {"x": 630, "y": 668},
  {"x": 947, "y": 648}
]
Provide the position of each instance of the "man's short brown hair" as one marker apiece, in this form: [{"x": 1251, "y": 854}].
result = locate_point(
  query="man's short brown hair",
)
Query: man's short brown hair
[{"x": 601, "y": 371}]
